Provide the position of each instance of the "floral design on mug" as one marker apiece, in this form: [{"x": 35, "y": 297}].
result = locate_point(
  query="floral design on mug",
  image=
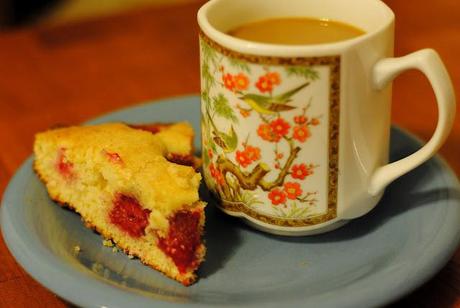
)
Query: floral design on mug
[{"x": 236, "y": 168}]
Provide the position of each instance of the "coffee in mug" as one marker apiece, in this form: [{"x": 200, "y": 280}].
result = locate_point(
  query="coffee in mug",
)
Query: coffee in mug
[{"x": 296, "y": 31}]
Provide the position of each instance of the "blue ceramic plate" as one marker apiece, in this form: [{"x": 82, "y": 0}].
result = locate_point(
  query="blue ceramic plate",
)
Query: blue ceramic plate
[{"x": 371, "y": 261}]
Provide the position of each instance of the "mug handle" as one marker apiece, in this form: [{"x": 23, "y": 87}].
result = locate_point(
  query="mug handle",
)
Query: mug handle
[{"x": 429, "y": 63}]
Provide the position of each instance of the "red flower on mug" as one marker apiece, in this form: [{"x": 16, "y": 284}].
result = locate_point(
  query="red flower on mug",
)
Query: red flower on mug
[
  {"x": 210, "y": 153},
  {"x": 301, "y": 133},
  {"x": 301, "y": 171},
  {"x": 265, "y": 131},
  {"x": 244, "y": 112},
  {"x": 229, "y": 81},
  {"x": 314, "y": 121},
  {"x": 253, "y": 153},
  {"x": 274, "y": 78},
  {"x": 264, "y": 84},
  {"x": 292, "y": 190},
  {"x": 241, "y": 81},
  {"x": 301, "y": 119},
  {"x": 243, "y": 159},
  {"x": 280, "y": 127},
  {"x": 216, "y": 174},
  {"x": 212, "y": 169},
  {"x": 277, "y": 196},
  {"x": 219, "y": 177}
]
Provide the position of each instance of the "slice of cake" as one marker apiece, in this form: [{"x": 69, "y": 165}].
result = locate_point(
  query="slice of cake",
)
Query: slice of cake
[{"x": 135, "y": 185}]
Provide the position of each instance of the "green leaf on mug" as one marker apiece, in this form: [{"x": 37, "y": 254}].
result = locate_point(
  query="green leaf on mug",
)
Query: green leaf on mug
[
  {"x": 206, "y": 158},
  {"x": 250, "y": 199},
  {"x": 302, "y": 71},
  {"x": 238, "y": 64},
  {"x": 223, "y": 109},
  {"x": 206, "y": 99},
  {"x": 208, "y": 78},
  {"x": 209, "y": 54}
]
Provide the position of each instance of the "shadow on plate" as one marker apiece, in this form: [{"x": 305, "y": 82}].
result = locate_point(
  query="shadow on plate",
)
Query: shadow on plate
[{"x": 222, "y": 236}]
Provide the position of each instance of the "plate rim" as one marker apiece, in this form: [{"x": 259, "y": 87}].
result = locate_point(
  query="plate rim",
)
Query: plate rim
[{"x": 63, "y": 290}]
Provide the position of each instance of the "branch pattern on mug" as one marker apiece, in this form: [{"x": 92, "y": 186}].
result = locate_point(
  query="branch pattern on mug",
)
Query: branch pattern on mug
[{"x": 264, "y": 128}]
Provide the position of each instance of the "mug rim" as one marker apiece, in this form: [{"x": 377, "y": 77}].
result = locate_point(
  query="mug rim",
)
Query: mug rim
[{"x": 257, "y": 48}]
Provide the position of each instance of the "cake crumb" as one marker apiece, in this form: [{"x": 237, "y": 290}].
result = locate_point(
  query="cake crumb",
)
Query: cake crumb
[
  {"x": 303, "y": 263},
  {"x": 76, "y": 249},
  {"x": 97, "y": 268},
  {"x": 106, "y": 273},
  {"x": 107, "y": 243},
  {"x": 114, "y": 249},
  {"x": 131, "y": 256}
]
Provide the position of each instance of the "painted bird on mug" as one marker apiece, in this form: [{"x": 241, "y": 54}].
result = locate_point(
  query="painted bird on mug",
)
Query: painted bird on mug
[
  {"x": 271, "y": 104},
  {"x": 227, "y": 141}
]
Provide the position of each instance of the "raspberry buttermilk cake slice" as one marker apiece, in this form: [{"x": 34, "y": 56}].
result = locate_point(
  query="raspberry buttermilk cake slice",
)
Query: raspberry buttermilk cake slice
[{"x": 134, "y": 185}]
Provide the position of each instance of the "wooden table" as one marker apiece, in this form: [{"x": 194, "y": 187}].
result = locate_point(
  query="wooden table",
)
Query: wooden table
[{"x": 70, "y": 73}]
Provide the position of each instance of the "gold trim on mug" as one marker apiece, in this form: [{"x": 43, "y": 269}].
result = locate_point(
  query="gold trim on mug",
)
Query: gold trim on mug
[{"x": 334, "y": 117}]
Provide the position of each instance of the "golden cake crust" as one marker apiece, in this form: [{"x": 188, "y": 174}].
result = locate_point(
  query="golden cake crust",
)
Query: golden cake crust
[{"x": 138, "y": 150}]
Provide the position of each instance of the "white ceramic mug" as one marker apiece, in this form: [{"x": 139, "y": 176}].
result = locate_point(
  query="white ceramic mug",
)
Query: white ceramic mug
[{"x": 296, "y": 138}]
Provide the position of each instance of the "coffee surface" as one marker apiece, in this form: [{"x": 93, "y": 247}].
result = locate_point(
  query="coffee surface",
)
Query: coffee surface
[{"x": 296, "y": 31}]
